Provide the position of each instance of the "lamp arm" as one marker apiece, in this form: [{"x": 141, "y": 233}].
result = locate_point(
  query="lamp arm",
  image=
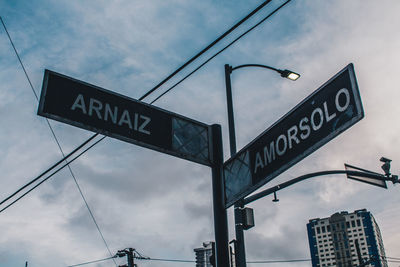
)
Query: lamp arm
[{"x": 256, "y": 65}]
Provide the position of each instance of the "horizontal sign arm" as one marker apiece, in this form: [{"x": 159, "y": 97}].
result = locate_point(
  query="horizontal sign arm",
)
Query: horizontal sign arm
[{"x": 281, "y": 186}]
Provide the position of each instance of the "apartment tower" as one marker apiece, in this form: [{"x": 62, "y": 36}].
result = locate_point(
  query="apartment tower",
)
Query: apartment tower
[{"x": 345, "y": 240}]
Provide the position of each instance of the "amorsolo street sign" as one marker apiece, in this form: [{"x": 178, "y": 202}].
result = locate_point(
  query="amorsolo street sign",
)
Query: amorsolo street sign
[
  {"x": 327, "y": 112},
  {"x": 96, "y": 109}
]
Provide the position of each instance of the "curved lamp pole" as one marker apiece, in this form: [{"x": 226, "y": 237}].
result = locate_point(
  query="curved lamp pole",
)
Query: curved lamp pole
[{"x": 240, "y": 248}]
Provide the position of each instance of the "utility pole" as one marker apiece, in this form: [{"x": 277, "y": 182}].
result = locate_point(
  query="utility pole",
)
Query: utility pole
[
  {"x": 130, "y": 258},
  {"x": 130, "y": 255},
  {"x": 240, "y": 250}
]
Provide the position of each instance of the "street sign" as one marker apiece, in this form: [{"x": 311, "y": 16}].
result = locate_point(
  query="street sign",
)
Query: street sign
[
  {"x": 378, "y": 181},
  {"x": 96, "y": 109},
  {"x": 327, "y": 112}
]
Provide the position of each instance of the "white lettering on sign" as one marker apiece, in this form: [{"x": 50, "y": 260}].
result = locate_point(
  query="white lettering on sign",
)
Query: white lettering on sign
[
  {"x": 104, "y": 111},
  {"x": 301, "y": 131}
]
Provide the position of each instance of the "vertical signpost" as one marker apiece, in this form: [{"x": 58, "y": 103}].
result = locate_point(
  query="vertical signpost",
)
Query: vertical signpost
[{"x": 96, "y": 109}]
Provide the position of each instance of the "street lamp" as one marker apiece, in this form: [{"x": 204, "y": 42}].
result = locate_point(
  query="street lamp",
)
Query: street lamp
[
  {"x": 291, "y": 75},
  {"x": 239, "y": 206}
]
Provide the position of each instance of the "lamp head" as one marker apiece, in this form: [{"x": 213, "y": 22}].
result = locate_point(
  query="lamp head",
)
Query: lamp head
[{"x": 289, "y": 74}]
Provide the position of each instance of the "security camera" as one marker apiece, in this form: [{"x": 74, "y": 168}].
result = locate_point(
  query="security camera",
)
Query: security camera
[
  {"x": 383, "y": 159},
  {"x": 386, "y": 165}
]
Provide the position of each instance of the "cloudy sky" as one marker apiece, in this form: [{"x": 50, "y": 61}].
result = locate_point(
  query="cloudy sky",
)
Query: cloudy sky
[{"x": 159, "y": 204}]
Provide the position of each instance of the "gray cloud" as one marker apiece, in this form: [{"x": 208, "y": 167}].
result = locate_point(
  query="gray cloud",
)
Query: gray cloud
[{"x": 161, "y": 205}]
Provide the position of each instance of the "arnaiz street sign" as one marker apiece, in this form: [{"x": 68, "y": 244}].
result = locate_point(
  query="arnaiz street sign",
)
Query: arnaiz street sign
[
  {"x": 327, "y": 112},
  {"x": 99, "y": 110}
]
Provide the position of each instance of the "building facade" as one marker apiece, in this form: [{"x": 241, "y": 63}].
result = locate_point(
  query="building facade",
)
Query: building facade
[
  {"x": 203, "y": 255},
  {"x": 346, "y": 240}
]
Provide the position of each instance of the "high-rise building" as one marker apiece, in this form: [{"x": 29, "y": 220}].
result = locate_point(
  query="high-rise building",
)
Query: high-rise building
[
  {"x": 345, "y": 240},
  {"x": 203, "y": 255}
]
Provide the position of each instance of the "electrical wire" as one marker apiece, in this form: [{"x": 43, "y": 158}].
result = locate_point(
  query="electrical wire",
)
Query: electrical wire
[
  {"x": 142, "y": 97},
  {"x": 169, "y": 260},
  {"x": 90, "y": 262},
  {"x": 145, "y": 95},
  {"x": 58, "y": 143},
  {"x": 48, "y": 170},
  {"x": 389, "y": 259},
  {"x": 19, "y": 59},
  {"x": 51, "y": 175},
  {"x": 208, "y": 47},
  {"x": 278, "y": 261},
  {"x": 192, "y": 261},
  {"x": 392, "y": 258},
  {"x": 223, "y": 49}
]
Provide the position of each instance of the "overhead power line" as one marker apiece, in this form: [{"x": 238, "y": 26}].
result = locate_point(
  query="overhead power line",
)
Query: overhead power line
[
  {"x": 192, "y": 261},
  {"x": 92, "y": 137},
  {"x": 145, "y": 95},
  {"x": 59, "y": 145},
  {"x": 48, "y": 170},
  {"x": 207, "y": 48},
  {"x": 279, "y": 261},
  {"x": 169, "y": 260},
  {"x": 392, "y": 258},
  {"x": 90, "y": 262},
  {"x": 222, "y": 50},
  {"x": 51, "y": 175},
  {"x": 19, "y": 59},
  {"x": 142, "y": 97}
]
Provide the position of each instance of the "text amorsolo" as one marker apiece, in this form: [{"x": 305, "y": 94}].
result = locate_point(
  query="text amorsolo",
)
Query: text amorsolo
[{"x": 301, "y": 131}]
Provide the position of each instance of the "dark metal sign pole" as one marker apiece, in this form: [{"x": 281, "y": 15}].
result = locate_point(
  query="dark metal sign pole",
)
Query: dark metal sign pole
[
  {"x": 240, "y": 251},
  {"x": 220, "y": 216},
  {"x": 96, "y": 109}
]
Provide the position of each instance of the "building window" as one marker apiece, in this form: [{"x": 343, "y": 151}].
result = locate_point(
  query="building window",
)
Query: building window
[{"x": 358, "y": 222}]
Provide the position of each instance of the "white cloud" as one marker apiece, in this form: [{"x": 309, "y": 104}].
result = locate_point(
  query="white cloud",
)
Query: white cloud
[{"x": 156, "y": 203}]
